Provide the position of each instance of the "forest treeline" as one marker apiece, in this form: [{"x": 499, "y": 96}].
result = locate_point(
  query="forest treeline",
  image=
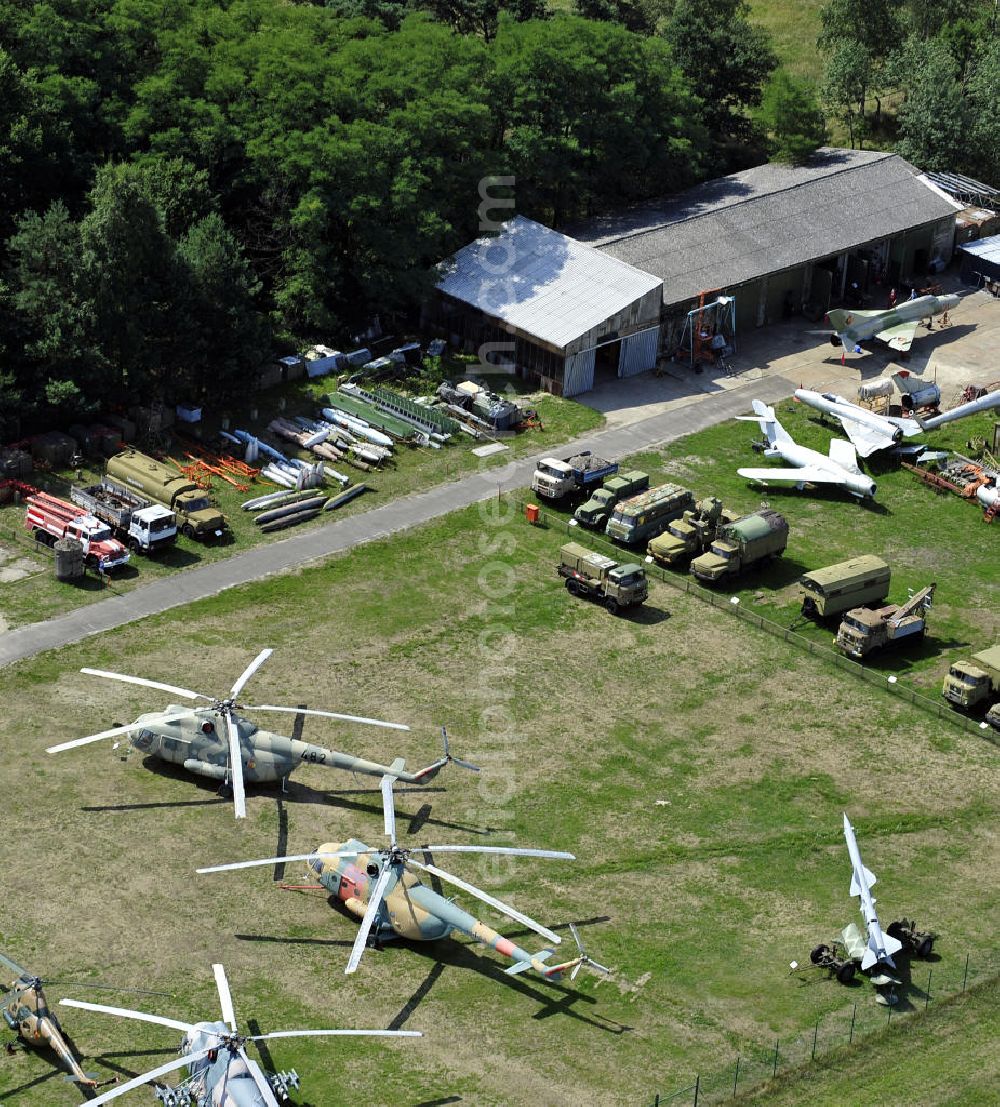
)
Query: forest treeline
[{"x": 186, "y": 183}]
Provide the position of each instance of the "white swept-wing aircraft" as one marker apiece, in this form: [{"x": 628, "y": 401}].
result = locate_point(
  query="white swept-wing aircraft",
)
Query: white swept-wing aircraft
[
  {"x": 867, "y": 430},
  {"x": 880, "y": 946},
  {"x": 808, "y": 466}
]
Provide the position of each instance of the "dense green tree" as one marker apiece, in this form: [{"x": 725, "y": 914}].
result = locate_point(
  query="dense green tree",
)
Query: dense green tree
[
  {"x": 644, "y": 17},
  {"x": 935, "y": 118},
  {"x": 843, "y": 92},
  {"x": 727, "y": 61},
  {"x": 982, "y": 143},
  {"x": 864, "y": 32},
  {"x": 226, "y": 338},
  {"x": 792, "y": 119}
]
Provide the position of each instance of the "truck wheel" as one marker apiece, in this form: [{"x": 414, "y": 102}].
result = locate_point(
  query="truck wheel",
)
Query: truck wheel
[
  {"x": 845, "y": 974},
  {"x": 573, "y": 587},
  {"x": 612, "y": 605},
  {"x": 133, "y": 545},
  {"x": 187, "y": 530}
]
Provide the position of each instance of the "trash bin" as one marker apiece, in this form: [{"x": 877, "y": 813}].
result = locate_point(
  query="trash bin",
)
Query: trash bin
[{"x": 531, "y": 513}]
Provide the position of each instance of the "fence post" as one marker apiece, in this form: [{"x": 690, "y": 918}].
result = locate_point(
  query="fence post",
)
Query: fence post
[
  {"x": 815, "y": 1036},
  {"x": 889, "y": 1018},
  {"x": 775, "y": 1072},
  {"x": 854, "y": 1015},
  {"x": 927, "y": 997},
  {"x": 697, "y": 1088},
  {"x": 656, "y": 1102},
  {"x": 965, "y": 979},
  {"x": 736, "y": 1078}
]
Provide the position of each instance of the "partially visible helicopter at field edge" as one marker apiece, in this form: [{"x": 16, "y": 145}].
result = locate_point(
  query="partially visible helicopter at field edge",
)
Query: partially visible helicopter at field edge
[
  {"x": 383, "y": 889},
  {"x": 219, "y": 1071},
  {"x": 217, "y": 742}
]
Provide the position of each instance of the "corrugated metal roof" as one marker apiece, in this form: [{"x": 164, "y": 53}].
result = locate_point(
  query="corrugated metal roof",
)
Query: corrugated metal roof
[
  {"x": 738, "y": 228},
  {"x": 987, "y": 248},
  {"x": 545, "y": 284}
]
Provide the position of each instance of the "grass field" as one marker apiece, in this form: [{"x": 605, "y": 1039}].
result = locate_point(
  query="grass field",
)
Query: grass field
[
  {"x": 38, "y": 595},
  {"x": 696, "y": 766}
]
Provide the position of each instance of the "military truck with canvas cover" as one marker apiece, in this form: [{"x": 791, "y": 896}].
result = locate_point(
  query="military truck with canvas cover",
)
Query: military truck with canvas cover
[
  {"x": 691, "y": 534},
  {"x": 554, "y": 479},
  {"x": 973, "y": 684},
  {"x": 592, "y": 574},
  {"x": 597, "y": 510},
  {"x": 748, "y": 541},
  {"x": 835, "y": 589},
  {"x": 865, "y": 629},
  {"x": 649, "y": 514},
  {"x": 197, "y": 515}
]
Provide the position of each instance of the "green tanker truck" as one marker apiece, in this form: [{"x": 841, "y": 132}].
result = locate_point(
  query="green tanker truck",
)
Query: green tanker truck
[
  {"x": 197, "y": 516},
  {"x": 737, "y": 546}
]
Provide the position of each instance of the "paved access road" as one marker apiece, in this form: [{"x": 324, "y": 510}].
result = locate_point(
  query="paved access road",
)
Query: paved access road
[{"x": 343, "y": 534}]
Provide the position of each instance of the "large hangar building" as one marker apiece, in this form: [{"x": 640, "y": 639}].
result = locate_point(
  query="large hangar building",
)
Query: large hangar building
[{"x": 619, "y": 290}]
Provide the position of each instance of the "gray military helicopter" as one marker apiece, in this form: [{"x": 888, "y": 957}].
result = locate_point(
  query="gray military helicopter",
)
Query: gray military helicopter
[
  {"x": 216, "y": 742},
  {"x": 219, "y": 1071}
]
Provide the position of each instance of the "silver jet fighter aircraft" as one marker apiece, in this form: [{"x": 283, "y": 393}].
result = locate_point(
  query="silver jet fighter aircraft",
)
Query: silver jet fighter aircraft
[
  {"x": 868, "y": 430},
  {"x": 808, "y": 466}
]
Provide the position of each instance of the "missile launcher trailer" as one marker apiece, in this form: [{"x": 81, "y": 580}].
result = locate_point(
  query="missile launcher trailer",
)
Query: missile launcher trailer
[
  {"x": 753, "y": 539},
  {"x": 591, "y": 574}
]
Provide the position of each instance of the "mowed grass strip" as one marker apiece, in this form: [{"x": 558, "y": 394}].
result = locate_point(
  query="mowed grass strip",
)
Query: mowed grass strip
[{"x": 696, "y": 766}]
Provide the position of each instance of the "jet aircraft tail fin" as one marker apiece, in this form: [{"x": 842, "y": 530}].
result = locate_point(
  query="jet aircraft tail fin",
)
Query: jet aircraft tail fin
[{"x": 766, "y": 419}]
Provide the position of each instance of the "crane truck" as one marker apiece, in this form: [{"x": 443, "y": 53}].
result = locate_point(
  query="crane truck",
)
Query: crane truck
[
  {"x": 865, "y": 629},
  {"x": 49, "y": 519}
]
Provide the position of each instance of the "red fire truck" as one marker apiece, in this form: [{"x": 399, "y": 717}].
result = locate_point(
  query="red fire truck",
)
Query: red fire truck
[{"x": 50, "y": 519}]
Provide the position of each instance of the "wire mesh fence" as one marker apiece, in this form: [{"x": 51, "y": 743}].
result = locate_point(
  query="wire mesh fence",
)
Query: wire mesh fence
[
  {"x": 725, "y": 603},
  {"x": 925, "y": 982}
]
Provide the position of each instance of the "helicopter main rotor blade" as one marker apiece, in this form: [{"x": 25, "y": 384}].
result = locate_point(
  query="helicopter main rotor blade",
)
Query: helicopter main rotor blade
[
  {"x": 109, "y": 734},
  {"x": 277, "y": 860},
  {"x": 503, "y": 908},
  {"x": 225, "y": 997},
  {"x": 170, "y": 1066},
  {"x": 374, "y": 902},
  {"x": 186, "y": 693},
  {"x": 514, "y": 851},
  {"x": 389, "y": 807},
  {"x": 249, "y": 671},
  {"x": 236, "y": 767},
  {"x": 262, "y": 1082},
  {"x": 331, "y": 1033},
  {"x": 125, "y": 1013},
  {"x": 325, "y": 715},
  {"x": 15, "y": 967}
]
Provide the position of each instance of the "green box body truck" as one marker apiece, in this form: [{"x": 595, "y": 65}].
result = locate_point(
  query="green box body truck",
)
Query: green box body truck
[
  {"x": 649, "y": 514},
  {"x": 749, "y": 541},
  {"x": 588, "y": 573},
  {"x": 197, "y": 516},
  {"x": 835, "y": 589}
]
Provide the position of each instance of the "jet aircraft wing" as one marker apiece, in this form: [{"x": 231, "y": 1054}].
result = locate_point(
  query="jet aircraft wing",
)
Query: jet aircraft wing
[
  {"x": 808, "y": 475},
  {"x": 866, "y": 438},
  {"x": 899, "y": 337},
  {"x": 843, "y": 454}
]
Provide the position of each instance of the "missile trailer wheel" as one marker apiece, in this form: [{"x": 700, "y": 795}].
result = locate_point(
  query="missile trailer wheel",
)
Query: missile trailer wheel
[
  {"x": 819, "y": 954},
  {"x": 845, "y": 974}
]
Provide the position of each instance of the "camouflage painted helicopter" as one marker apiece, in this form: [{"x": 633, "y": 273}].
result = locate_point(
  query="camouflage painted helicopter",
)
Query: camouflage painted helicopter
[
  {"x": 383, "y": 889},
  {"x": 26, "y": 1012},
  {"x": 219, "y": 1071},
  {"x": 216, "y": 742}
]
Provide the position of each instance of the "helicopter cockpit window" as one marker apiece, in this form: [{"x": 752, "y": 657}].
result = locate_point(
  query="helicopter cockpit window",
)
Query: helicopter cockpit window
[{"x": 144, "y": 738}]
